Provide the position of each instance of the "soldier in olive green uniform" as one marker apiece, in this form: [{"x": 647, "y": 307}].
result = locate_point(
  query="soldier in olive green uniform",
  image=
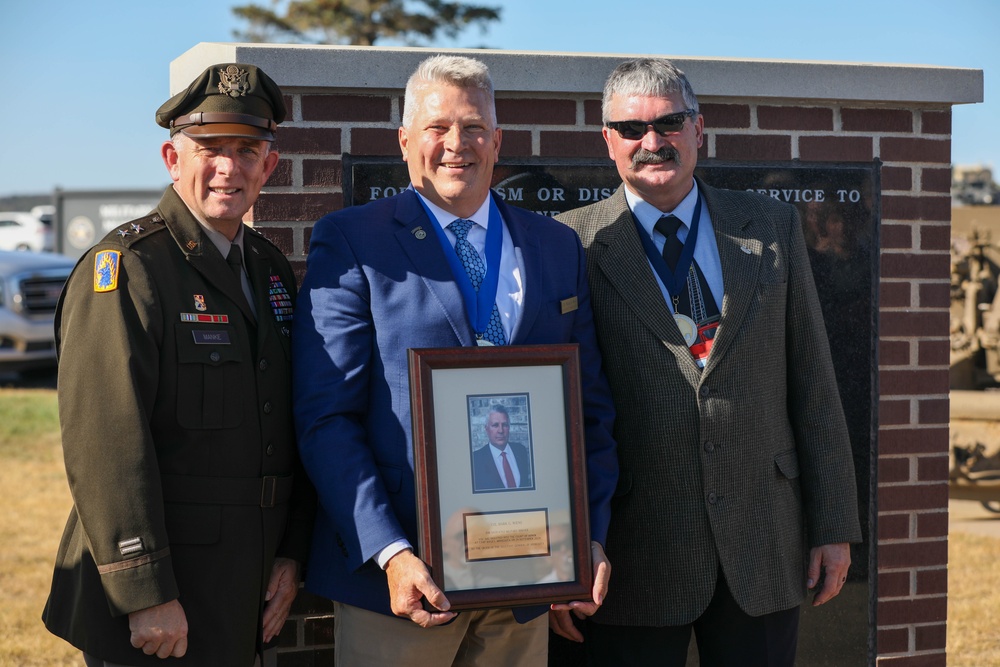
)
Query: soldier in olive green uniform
[{"x": 191, "y": 512}]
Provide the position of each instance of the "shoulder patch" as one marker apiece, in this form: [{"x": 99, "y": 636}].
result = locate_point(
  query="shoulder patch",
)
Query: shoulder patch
[{"x": 106, "y": 266}]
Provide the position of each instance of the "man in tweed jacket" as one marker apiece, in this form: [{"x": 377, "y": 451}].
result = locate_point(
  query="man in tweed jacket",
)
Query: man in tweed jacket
[{"x": 737, "y": 490}]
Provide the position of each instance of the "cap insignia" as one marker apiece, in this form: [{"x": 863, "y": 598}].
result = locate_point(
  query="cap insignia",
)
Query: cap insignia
[{"x": 233, "y": 81}]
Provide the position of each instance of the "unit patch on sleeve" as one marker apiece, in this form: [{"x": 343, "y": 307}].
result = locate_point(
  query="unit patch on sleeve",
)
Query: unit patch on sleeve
[{"x": 106, "y": 265}]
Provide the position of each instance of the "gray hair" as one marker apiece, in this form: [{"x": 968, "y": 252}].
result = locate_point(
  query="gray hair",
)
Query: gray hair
[
  {"x": 455, "y": 70},
  {"x": 647, "y": 77}
]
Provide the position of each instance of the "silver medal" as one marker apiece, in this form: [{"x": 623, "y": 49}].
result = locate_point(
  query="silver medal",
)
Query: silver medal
[{"x": 688, "y": 328}]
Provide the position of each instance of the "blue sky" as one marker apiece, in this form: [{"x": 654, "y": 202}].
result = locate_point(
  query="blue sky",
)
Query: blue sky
[{"x": 81, "y": 80}]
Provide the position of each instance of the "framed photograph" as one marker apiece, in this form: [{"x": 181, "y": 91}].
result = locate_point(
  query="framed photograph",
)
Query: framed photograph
[{"x": 500, "y": 468}]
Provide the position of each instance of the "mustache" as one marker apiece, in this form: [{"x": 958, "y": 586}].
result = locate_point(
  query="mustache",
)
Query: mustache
[{"x": 643, "y": 156}]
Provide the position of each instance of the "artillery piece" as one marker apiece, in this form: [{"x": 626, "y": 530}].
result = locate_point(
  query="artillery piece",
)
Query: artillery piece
[
  {"x": 975, "y": 364},
  {"x": 975, "y": 312}
]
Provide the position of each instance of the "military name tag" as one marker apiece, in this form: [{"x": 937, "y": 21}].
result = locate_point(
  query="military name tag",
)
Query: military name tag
[{"x": 211, "y": 337}]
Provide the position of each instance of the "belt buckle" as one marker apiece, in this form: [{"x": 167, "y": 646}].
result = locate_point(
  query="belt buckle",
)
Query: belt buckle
[{"x": 268, "y": 491}]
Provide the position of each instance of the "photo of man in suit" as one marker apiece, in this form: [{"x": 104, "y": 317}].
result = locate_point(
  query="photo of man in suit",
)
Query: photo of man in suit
[
  {"x": 444, "y": 264},
  {"x": 500, "y": 465},
  {"x": 737, "y": 490}
]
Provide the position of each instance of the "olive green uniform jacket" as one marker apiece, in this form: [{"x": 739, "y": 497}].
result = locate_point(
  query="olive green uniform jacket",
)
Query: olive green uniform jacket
[
  {"x": 741, "y": 466},
  {"x": 178, "y": 440}
]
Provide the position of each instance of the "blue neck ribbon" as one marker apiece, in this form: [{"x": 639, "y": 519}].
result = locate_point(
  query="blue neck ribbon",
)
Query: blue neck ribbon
[
  {"x": 478, "y": 307},
  {"x": 677, "y": 282}
]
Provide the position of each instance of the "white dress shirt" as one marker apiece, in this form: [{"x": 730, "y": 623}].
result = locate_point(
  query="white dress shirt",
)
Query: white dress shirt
[{"x": 510, "y": 287}]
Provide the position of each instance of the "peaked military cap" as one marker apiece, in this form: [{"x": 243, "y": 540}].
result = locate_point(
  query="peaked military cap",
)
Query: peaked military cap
[{"x": 227, "y": 100}]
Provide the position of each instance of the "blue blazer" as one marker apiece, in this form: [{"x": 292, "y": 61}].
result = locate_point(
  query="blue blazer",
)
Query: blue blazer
[{"x": 375, "y": 287}]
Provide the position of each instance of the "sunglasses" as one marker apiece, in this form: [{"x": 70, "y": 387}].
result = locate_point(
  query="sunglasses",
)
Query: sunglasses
[{"x": 664, "y": 125}]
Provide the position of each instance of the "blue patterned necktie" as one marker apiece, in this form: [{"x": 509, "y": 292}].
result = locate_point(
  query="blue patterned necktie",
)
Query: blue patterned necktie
[{"x": 473, "y": 265}]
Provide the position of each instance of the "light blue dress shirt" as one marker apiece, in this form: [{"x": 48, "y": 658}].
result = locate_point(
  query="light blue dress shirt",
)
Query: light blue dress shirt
[
  {"x": 510, "y": 297},
  {"x": 706, "y": 252},
  {"x": 510, "y": 287}
]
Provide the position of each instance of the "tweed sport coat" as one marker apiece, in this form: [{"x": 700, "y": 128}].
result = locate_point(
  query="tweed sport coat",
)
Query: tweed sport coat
[{"x": 744, "y": 464}]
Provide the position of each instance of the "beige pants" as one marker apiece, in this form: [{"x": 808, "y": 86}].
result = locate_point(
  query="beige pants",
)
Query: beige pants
[{"x": 489, "y": 638}]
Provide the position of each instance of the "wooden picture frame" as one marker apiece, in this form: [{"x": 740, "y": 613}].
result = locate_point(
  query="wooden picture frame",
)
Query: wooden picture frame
[{"x": 523, "y": 541}]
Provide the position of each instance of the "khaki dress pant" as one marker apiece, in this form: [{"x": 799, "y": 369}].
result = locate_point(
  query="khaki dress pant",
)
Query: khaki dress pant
[{"x": 490, "y": 638}]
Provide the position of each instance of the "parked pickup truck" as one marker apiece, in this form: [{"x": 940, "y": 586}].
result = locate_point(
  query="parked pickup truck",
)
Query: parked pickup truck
[{"x": 30, "y": 284}]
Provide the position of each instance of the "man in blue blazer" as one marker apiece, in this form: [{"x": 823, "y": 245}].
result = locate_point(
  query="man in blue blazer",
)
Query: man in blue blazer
[{"x": 389, "y": 276}]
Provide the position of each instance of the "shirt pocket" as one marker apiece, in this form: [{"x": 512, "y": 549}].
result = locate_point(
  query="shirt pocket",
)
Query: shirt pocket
[{"x": 210, "y": 392}]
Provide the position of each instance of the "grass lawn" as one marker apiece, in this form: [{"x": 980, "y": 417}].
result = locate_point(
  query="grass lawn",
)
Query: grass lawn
[
  {"x": 38, "y": 500},
  {"x": 973, "y": 600}
]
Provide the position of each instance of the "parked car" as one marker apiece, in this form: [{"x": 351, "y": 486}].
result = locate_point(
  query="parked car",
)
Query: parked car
[
  {"x": 24, "y": 231},
  {"x": 30, "y": 285},
  {"x": 46, "y": 213}
]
